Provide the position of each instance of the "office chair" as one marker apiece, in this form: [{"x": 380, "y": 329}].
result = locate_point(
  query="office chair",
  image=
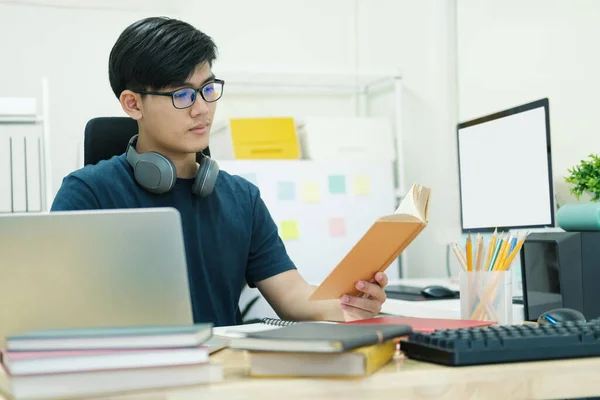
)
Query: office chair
[{"x": 108, "y": 136}]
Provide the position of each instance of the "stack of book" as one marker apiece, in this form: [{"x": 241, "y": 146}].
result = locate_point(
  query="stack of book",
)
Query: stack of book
[
  {"x": 321, "y": 350},
  {"x": 85, "y": 362}
]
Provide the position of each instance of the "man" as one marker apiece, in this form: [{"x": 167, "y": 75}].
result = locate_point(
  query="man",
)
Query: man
[{"x": 160, "y": 70}]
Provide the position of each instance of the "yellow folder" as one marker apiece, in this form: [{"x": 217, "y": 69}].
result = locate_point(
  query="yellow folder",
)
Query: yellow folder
[{"x": 264, "y": 138}]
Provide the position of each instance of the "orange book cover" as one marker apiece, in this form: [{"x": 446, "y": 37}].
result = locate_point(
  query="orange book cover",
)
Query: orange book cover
[{"x": 383, "y": 242}]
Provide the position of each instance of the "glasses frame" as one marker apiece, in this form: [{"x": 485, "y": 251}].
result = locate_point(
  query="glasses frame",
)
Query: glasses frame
[{"x": 199, "y": 90}]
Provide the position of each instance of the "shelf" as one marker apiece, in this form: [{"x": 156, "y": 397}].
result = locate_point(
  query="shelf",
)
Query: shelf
[
  {"x": 21, "y": 119},
  {"x": 333, "y": 81}
]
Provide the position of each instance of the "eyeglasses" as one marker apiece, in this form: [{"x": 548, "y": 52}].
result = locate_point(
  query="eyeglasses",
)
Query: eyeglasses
[{"x": 185, "y": 97}]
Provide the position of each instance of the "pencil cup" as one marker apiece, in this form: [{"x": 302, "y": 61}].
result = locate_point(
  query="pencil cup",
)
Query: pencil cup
[{"x": 486, "y": 296}]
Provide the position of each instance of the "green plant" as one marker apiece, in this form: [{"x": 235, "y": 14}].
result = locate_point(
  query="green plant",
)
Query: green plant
[{"x": 585, "y": 177}]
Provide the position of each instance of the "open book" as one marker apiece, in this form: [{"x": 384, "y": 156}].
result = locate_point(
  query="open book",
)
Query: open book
[{"x": 379, "y": 246}]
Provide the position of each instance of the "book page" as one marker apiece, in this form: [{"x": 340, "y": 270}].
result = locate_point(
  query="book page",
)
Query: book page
[{"x": 416, "y": 202}]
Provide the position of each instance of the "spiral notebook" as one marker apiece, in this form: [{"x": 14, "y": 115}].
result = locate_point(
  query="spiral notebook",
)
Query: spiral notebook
[{"x": 239, "y": 331}]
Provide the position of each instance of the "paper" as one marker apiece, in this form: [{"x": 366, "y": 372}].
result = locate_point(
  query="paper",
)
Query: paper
[
  {"x": 337, "y": 184},
  {"x": 286, "y": 191},
  {"x": 289, "y": 230},
  {"x": 337, "y": 227},
  {"x": 362, "y": 185},
  {"x": 310, "y": 192},
  {"x": 250, "y": 177}
]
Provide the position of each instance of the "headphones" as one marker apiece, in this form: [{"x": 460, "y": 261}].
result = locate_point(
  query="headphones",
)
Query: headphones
[{"x": 157, "y": 174}]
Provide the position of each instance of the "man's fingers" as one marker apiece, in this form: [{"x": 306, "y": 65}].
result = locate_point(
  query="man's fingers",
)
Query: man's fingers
[
  {"x": 372, "y": 289},
  {"x": 368, "y": 305},
  {"x": 381, "y": 279}
]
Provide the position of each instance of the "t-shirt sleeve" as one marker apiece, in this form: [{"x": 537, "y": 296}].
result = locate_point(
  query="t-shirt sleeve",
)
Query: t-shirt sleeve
[
  {"x": 74, "y": 194},
  {"x": 267, "y": 256}
]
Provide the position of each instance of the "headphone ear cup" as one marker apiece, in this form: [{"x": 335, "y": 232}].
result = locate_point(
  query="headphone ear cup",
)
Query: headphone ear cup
[
  {"x": 206, "y": 178},
  {"x": 155, "y": 172}
]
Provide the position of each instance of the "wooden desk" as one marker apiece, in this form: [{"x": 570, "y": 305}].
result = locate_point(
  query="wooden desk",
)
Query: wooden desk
[{"x": 401, "y": 379}]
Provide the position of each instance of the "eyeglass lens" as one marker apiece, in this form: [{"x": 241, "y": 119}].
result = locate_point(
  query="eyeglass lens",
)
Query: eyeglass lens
[{"x": 187, "y": 96}]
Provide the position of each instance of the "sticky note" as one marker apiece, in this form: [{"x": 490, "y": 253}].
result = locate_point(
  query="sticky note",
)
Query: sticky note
[
  {"x": 286, "y": 191},
  {"x": 362, "y": 184},
  {"x": 310, "y": 192},
  {"x": 289, "y": 230},
  {"x": 251, "y": 177},
  {"x": 337, "y": 227},
  {"x": 337, "y": 184}
]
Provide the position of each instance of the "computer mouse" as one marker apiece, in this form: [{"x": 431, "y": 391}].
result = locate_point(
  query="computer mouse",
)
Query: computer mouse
[
  {"x": 438, "y": 292},
  {"x": 561, "y": 315}
]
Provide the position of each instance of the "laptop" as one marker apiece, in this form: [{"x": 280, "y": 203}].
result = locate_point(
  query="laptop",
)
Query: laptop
[{"x": 92, "y": 269}]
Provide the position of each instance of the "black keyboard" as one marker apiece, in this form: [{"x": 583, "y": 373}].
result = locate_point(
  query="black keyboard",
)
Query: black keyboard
[{"x": 505, "y": 344}]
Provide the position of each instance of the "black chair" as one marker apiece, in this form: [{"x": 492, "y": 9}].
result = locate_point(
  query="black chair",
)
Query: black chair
[{"x": 106, "y": 137}]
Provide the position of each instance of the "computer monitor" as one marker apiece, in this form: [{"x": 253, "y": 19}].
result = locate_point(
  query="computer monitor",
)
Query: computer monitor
[
  {"x": 92, "y": 269},
  {"x": 505, "y": 170}
]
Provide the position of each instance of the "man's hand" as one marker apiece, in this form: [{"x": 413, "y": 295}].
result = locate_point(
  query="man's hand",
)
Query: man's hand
[{"x": 367, "y": 305}]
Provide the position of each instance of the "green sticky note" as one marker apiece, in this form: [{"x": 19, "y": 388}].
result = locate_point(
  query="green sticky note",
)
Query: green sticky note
[
  {"x": 362, "y": 184},
  {"x": 337, "y": 184},
  {"x": 310, "y": 192},
  {"x": 288, "y": 230}
]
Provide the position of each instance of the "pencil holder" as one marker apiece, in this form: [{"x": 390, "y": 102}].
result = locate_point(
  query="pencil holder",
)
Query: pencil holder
[{"x": 486, "y": 296}]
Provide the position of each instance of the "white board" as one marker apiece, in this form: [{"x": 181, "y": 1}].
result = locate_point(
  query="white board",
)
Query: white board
[{"x": 322, "y": 208}]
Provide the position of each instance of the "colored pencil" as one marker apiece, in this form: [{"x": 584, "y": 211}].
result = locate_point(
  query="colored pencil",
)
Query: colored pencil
[{"x": 469, "y": 250}]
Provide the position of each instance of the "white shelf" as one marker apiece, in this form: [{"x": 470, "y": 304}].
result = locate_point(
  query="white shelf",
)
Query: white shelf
[
  {"x": 332, "y": 81},
  {"x": 34, "y": 119}
]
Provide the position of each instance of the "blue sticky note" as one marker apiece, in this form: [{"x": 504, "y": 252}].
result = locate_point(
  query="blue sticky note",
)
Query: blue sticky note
[
  {"x": 337, "y": 184},
  {"x": 286, "y": 191},
  {"x": 250, "y": 177}
]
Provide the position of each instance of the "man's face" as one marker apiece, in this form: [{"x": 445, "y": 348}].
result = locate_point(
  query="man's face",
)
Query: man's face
[{"x": 179, "y": 131}]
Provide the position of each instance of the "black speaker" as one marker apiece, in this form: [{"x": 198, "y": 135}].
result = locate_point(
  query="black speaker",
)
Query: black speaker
[{"x": 561, "y": 269}]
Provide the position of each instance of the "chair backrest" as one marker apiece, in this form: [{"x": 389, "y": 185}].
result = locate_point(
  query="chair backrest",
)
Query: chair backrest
[{"x": 106, "y": 137}]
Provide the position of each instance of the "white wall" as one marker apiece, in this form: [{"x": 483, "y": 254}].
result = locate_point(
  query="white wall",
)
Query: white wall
[
  {"x": 419, "y": 37},
  {"x": 69, "y": 46},
  {"x": 511, "y": 52}
]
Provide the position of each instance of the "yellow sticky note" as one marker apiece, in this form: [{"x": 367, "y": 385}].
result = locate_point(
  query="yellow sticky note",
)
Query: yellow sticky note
[
  {"x": 289, "y": 230},
  {"x": 310, "y": 192},
  {"x": 362, "y": 184}
]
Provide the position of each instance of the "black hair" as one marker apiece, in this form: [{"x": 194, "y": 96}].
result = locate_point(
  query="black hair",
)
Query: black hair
[{"x": 157, "y": 52}]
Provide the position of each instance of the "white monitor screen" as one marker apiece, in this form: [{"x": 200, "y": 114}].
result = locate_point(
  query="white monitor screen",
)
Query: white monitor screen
[{"x": 505, "y": 170}]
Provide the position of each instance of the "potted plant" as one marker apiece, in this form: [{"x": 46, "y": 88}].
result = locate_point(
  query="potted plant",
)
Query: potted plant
[{"x": 585, "y": 178}]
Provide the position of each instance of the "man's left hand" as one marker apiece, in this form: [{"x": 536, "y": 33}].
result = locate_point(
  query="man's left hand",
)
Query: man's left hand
[{"x": 367, "y": 305}]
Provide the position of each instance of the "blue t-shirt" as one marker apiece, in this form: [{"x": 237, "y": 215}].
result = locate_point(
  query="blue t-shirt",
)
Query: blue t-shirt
[{"x": 229, "y": 236}]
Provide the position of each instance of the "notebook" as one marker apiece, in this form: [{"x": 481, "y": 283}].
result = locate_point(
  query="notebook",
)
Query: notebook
[
  {"x": 360, "y": 362},
  {"x": 319, "y": 338},
  {"x": 111, "y": 338}
]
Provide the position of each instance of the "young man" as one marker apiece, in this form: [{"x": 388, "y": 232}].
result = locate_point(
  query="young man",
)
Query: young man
[{"x": 160, "y": 70}]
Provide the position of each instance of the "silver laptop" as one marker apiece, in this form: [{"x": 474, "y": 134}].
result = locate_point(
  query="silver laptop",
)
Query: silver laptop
[{"x": 91, "y": 269}]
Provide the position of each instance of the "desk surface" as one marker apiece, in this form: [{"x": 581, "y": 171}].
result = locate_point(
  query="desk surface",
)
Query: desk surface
[
  {"x": 437, "y": 308},
  {"x": 401, "y": 378}
]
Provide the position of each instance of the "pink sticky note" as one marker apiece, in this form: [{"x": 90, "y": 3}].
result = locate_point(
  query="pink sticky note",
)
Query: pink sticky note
[{"x": 337, "y": 227}]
